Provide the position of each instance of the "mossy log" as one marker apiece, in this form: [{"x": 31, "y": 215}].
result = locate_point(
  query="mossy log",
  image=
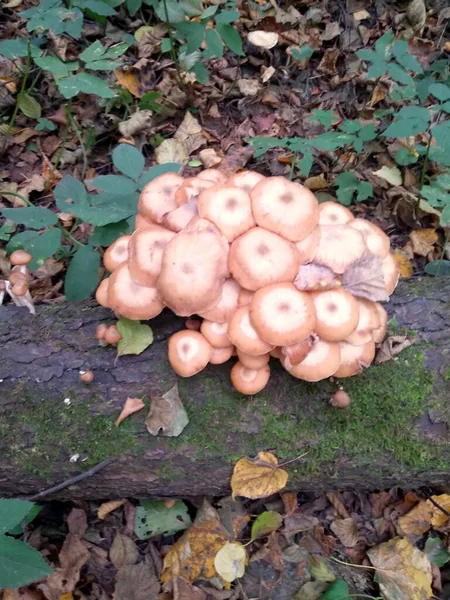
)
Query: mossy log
[{"x": 394, "y": 433}]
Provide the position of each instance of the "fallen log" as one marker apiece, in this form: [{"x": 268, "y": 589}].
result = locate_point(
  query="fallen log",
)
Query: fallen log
[{"x": 53, "y": 427}]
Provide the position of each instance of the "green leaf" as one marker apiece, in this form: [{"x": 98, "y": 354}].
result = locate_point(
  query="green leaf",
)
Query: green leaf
[
  {"x": 399, "y": 74},
  {"x": 227, "y": 16},
  {"x": 40, "y": 245},
  {"x": 114, "y": 184},
  {"x": 194, "y": 34},
  {"x": 231, "y": 38},
  {"x": 107, "y": 234},
  {"x": 69, "y": 192},
  {"x": 405, "y": 127},
  {"x": 103, "y": 65},
  {"x": 405, "y": 157},
  {"x": 305, "y": 164},
  {"x": 12, "y": 513},
  {"x": 365, "y": 190},
  {"x": 20, "y": 564},
  {"x": 192, "y": 8},
  {"x": 303, "y": 52},
  {"x": 29, "y": 106},
  {"x": 34, "y": 217},
  {"x": 201, "y": 73},
  {"x": 156, "y": 171},
  {"x": 332, "y": 140},
  {"x": 214, "y": 46},
  {"x": 408, "y": 61},
  {"x": 347, "y": 184},
  {"x": 128, "y": 160},
  {"x": 434, "y": 548},
  {"x": 438, "y": 268},
  {"x": 84, "y": 82},
  {"x": 408, "y": 112},
  {"x": 174, "y": 14},
  {"x": 93, "y": 52},
  {"x": 446, "y": 106},
  {"x": 338, "y": 590},
  {"x": 435, "y": 195},
  {"x": 33, "y": 513},
  {"x": 350, "y": 126},
  {"x": 368, "y": 132},
  {"x": 56, "y": 66},
  {"x": 266, "y": 523},
  {"x": 423, "y": 87},
  {"x": 210, "y": 11},
  {"x": 378, "y": 66},
  {"x": 166, "y": 45},
  {"x": 97, "y": 7},
  {"x": 136, "y": 337},
  {"x": 106, "y": 208},
  {"x": 358, "y": 145},
  {"x": 45, "y": 124},
  {"x": 441, "y": 134},
  {"x": 444, "y": 221},
  {"x": 82, "y": 274},
  {"x": 13, "y": 49},
  {"x": 153, "y": 518},
  {"x": 440, "y": 91},
  {"x": 133, "y": 7},
  {"x": 325, "y": 117},
  {"x": 383, "y": 45}
]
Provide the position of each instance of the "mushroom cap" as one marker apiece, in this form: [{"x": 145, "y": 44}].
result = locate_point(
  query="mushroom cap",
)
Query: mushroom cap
[
  {"x": 20, "y": 288},
  {"x": 221, "y": 355},
  {"x": 215, "y": 333},
  {"x": 117, "y": 253},
  {"x": 391, "y": 273},
  {"x": 308, "y": 247},
  {"x": 130, "y": 299},
  {"x": 379, "y": 333},
  {"x": 251, "y": 361},
  {"x": 145, "y": 249},
  {"x": 332, "y": 213},
  {"x": 263, "y": 39},
  {"x": 376, "y": 240},
  {"x": 281, "y": 315},
  {"x": 354, "y": 358},
  {"x": 100, "y": 331},
  {"x": 191, "y": 188},
  {"x": 259, "y": 258},
  {"x": 214, "y": 175},
  {"x": 246, "y": 180},
  {"x": 112, "y": 335},
  {"x": 337, "y": 314},
  {"x": 339, "y": 247},
  {"x": 285, "y": 207},
  {"x": 158, "y": 197},
  {"x": 243, "y": 335},
  {"x": 245, "y": 297},
  {"x": 193, "y": 269},
  {"x": 189, "y": 352},
  {"x": 368, "y": 321},
  {"x": 277, "y": 353},
  {"x": 20, "y": 257},
  {"x": 101, "y": 295},
  {"x": 249, "y": 381},
  {"x": 140, "y": 222},
  {"x": 229, "y": 208},
  {"x": 322, "y": 361},
  {"x": 178, "y": 219},
  {"x": 227, "y": 305},
  {"x": 294, "y": 354}
]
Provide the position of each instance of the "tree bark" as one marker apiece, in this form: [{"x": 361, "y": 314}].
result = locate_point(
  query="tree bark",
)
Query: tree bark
[{"x": 53, "y": 427}]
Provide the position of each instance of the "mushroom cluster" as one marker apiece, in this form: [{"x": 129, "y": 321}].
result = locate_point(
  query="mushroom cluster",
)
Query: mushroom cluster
[{"x": 269, "y": 271}]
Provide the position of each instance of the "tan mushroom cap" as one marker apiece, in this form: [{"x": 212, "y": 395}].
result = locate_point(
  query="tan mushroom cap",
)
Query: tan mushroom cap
[
  {"x": 227, "y": 305},
  {"x": 20, "y": 257},
  {"x": 285, "y": 207},
  {"x": 308, "y": 247},
  {"x": 368, "y": 321},
  {"x": 243, "y": 335},
  {"x": 295, "y": 354},
  {"x": 215, "y": 333},
  {"x": 213, "y": 175},
  {"x": 193, "y": 269},
  {"x": 145, "y": 249},
  {"x": 323, "y": 361},
  {"x": 158, "y": 197},
  {"x": 259, "y": 258},
  {"x": 140, "y": 222},
  {"x": 251, "y": 361},
  {"x": 189, "y": 352},
  {"x": 130, "y": 299},
  {"x": 191, "y": 188},
  {"x": 379, "y": 333},
  {"x": 20, "y": 288},
  {"x": 246, "y": 180},
  {"x": 337, "y": 314},
  {"x": 332, "y": 213},
  {"x": 245, "y": 297},
  {"x": 229, "y": 208},
  {"x": 376, "y": 240},
  {"x": 281, "y": 315},
  {"x": 178, "y": 219},
  {"x": 117, "y": 253},
  {"x": 221, "y": 355},
  {"x": 339, "y": 247},
  {"x": 354, "y": 358},
  {"x": 391, "y": 273},
  {"x": 249, "y": 381},
  {"x": 101, "y": 295}
]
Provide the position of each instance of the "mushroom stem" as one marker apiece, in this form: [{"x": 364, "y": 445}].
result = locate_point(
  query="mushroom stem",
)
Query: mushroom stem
[{"x": 25, "y": 300}]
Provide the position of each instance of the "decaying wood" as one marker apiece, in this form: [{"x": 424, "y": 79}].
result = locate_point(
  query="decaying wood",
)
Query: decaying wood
[{"x": 41, "y": 399}]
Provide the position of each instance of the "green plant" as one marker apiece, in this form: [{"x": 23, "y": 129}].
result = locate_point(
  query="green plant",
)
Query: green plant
[
  {"x": 111, "y": 211},
  {"x": 154, "y": 518},
  {"x": 19, "y": 563}
]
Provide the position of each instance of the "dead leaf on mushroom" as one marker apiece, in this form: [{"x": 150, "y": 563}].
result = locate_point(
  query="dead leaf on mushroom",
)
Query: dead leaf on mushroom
[
  {"x": 365, "y": 279},
  {"x": 259, "y": 477},
  {"x": 392, "y": 346},
  {"x": 167, "y": 414},
  {"x": 131, "y": 406}
]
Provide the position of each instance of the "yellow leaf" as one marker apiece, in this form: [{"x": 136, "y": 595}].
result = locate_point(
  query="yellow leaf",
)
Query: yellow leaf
[
  {"x": 230, "y": 561},
  {"x": 189, "y": 126},
  {"x": 423, "y": 241},
  {"x": 392, "y": 175},
  {"x": 129, "y": 79},
  {"x": 403, "y": 571},
  {"x": 258, "y": 478},
  {"x": 439, "y": 517},
  {"x": 192, "y": 557},
  {"x": 140, "y": 32},
  {"x": 170, "y": 151},
  {"x": 316, "y": 183},
  {"x": 404, "y": 264},
  {"x": 131, "y": 406},
  {"x": 67, "y": 596},
  {"x": 108, "y": 507},
  {"x": 425, "y": 515}
]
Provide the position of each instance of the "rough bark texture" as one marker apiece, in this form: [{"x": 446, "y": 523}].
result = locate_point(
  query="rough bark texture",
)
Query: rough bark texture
[{"x": 395, "y": 431}]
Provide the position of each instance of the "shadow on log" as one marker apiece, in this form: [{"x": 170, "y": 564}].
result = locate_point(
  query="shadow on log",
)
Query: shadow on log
[{"x": 394, "y": 433}]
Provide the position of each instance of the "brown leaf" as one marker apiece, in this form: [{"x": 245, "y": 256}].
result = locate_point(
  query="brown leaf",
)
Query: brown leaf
[
  {"x": 77, "y": 522},
  {"x": 131, "y": 406},
  {"x": 316, "y": 183},
  {"x": 335, "y": 500},
  {"x": 332, "y": 30},
  {"x": 249, "y": 87},
  {"x": 209, "y": 157},
  {"x": 290, "y": 502},
  {"x": 364, "y": 278},
  {"x": 425, "y": 515},
  {"x": 423, "y": 241},
  {"x": 136, "y": 582},
  {"x": 259, "y": 477},
  {"x": 74, "y": 554},
  {"x": 140, "y": 122},
  {"x": 346, "y": 530},
  {"x": 379, "y": 93},
  {"x": 298, "y": 522},
  {"x": 167, "y": 414},
  {"x": 108, "y": 507},
  {"x": 183, "y": 590},
  {"x": 233, "y": 516},
  {"x": 404, "y": 264},
  {"x": 328, "y": 63},
  {"x": 123, "y": 551},
  {"x": 392, "y": 346}
]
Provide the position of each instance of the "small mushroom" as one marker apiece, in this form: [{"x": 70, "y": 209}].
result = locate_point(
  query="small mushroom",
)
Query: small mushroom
[
  {"x": 249, "y": 381},
  {"x": 86, "y": 377},
  {"x": 176, "y": 220},
  {"x": 221, "y": 355},
  {"x": 339, "y": 247},
  {"x": 229, "y": 208},
  {"x": 20, "y": 288},
  {"x": 332, "y": 213},
  {"x": 263, "y": 39},
  {"x": 308, "y": 247},
  {"x": 251, "y": 361},
  {"x": 246, "y": 180},
  {"x": 337, "y": 314},
  {"x": 322, "y": 361},
  {"x": 100, "y": 331},
  {"x": 158, "y": 197},
  {"x": 391, "y": 273},
  {"x": 189, "y": 352},
  {"x": 191, "y": 188},
  {"x": 112, "y": 335},
  {"x": 227, "y": 305},
  {"x": 369, "y": 320},
  {"x": 101, "y": 295},
  {"x": 145, "y": 249},
  {"x": 376, "y": 240},
  {"x": 130, "y": 299},
  {"x": 243, "y": 335},
  {"x": 117, "y": 253},
  {"x": 354, "y": 358},
  {"x": 340, "y": 399},
  {"x": 296, "y": 353},
  {"x": 20, "y": 257},
  {"x": 215, "y": 333},
  {"x": 213, "y": 175},
  {"x": 16, "y": 276}
]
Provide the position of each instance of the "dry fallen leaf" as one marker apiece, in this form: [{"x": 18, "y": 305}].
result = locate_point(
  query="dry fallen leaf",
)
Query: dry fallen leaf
[
  {"x": 316, "y": 183},
  {"x": 263, "y": 39},
  {"x": 129, "y": 79},
  {"x": 332, "y": 30},
  {"x": 259, "y": 477},
  {"x": 171, "y": 151},
  {"x": 423, "y": 241},
  {"x": 131, "y": 406},
  {"x": 230, "y": 561},
  {"x": 404, "y": 264},
  {"x": 167, "y": 414},
  {"x": 315, "y": 277},
  {"x": 249, "y": 87},
  {"x": 404, "y": 572},
  {"x": 392, "y": 175},
  {"x": 123, "y": 551},
  {"x": 425, "y": 515},
  {"x": 209, "y": 158},
  {"x": 108, "y": 507},
  {"x": 136, "y": 582},
  {"x": 379, "y": 93},
  {"x": 365, "y": 279},
  {"x": 140, "y": 122},
  {"x": 346, "y": 530},
  {"x": 392, "y": 346},
  {"x": 183, "y": 590},
  {"x": 190, "y": 133}
]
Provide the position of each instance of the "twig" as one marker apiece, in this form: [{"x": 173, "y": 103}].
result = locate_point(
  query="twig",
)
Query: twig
[
  {"x": 79, "y": 136},
  {"x": 67, "y": 482},
  {"x": 441, "y": 508}
]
